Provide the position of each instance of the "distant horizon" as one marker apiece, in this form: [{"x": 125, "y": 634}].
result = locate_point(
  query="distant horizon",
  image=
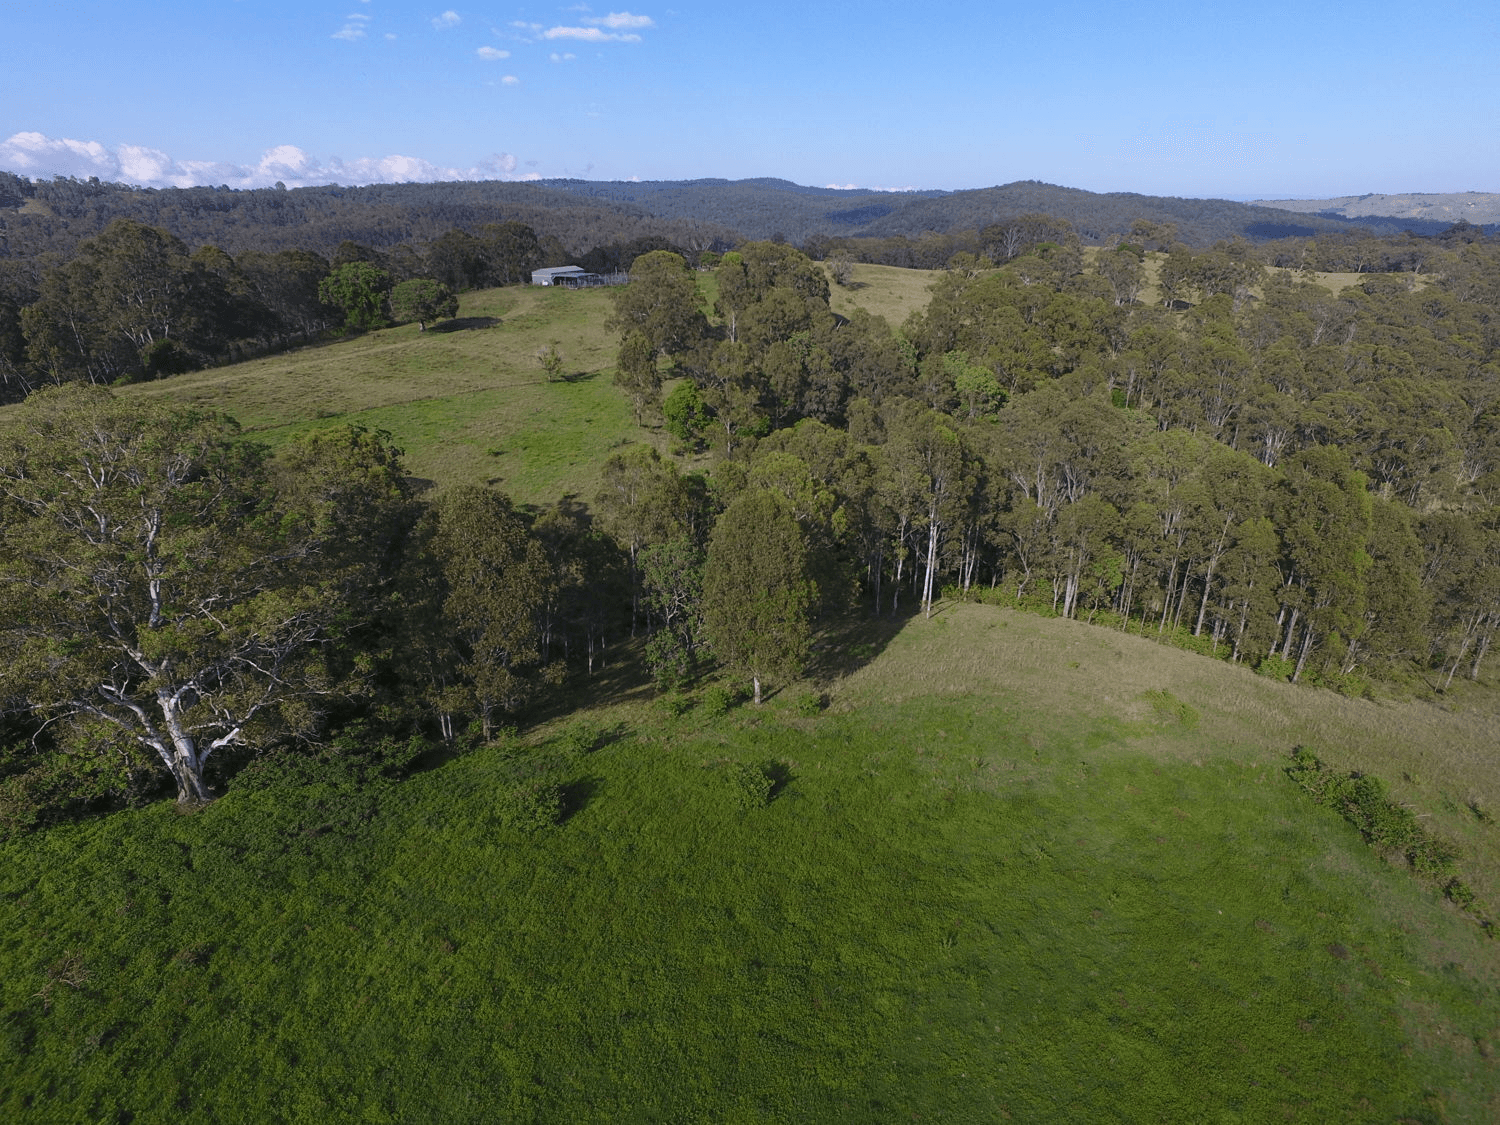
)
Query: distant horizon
[{"x": 37, "y": 157}]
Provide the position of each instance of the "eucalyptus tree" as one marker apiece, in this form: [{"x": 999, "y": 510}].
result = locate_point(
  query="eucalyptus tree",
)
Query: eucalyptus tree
[
  {"x": 495, "y": 583},
  {"x": 758, "y": 593},
  {"x": 163, "y": 593}
]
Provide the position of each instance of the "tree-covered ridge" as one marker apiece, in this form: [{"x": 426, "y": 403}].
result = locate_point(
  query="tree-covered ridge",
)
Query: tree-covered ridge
[
  {"x": 1279, "y": 476},
  {"x": 54, "y": 215},
  {"x": 1478, "y": 207}
]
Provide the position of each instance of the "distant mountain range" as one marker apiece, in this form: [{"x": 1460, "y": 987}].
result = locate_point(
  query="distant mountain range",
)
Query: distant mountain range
[
  {"x": 762, "y": 208},
  {"x": 1478, "y": 207},
  {"x": 52, "y": 216}
]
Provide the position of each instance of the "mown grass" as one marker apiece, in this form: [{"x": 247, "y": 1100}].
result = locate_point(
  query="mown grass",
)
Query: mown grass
[{"x": 1049, "y": 879}]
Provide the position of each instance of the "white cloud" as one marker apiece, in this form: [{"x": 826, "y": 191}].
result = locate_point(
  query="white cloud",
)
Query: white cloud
[
  {"x": 861, "y": 187},
  {"x": 450, "y": 18},
  {"x": 40, "y": 157},
  {"x": 618, "y": 20},
  {"x": 564, "y": 57},
  {"x": 492, "y": 54},
  {"x": 351, "y": 32},
  {"x": 510, "y": 80},
  {"x": 590, "y": 35}
]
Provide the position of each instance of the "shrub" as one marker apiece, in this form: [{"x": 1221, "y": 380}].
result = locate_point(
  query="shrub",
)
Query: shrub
[
  {"x": 531, "y": 806},
  {"x": 810, "y": 704},
  {"x": 752, "y": 784},
  {"x": 1361, "y": 800},
  {"x": 675, "y": 706},
  {"x": 578, "y": 739},
  {"x": 718, "y": 699},
  {"x": 1276, "y": 668},
  {"x": 669, "y": 660}
]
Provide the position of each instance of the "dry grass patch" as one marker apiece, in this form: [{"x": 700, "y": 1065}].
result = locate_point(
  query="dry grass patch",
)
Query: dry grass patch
[{"x": 887, "y": 291}]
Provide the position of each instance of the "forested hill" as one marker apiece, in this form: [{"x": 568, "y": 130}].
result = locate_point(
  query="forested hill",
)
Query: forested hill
[
  {"x": 764, "y": 208},
  {"x": 53, "y": 216},
  {"x": 1478, "y": 207}
]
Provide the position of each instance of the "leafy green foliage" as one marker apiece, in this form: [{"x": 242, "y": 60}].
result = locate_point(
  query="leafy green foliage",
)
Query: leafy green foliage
[
  {"x": 359, "y": 290},
  {"x": 1389, "y": 827},
  {"x": 531, "y": 806},
  {"x": 756, "y": 590},
  {"x": 718, "y": 699},
  {"x": 752, "y": 784},
  {"x": 423, "y": 300},
  {"x": 161, "y": 599},
  {"x": 810, "y": 704}
]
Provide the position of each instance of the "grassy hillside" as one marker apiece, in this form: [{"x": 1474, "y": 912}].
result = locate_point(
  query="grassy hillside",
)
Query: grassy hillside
[
  {"x": 994, "y": 881},
  {"x": 467, "y": 399},
  {"x": 886, "y": 291}
]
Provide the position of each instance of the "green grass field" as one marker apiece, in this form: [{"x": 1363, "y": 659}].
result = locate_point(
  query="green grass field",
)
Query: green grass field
[
  {"x": 1010, "y": 893},
  {"x": 467, "y": 399}
]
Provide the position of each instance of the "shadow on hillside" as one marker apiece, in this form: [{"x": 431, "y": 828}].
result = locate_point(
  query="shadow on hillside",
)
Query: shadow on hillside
[
  {"x": 845, "y": 645},
  {"x": 465, "y": 323}
]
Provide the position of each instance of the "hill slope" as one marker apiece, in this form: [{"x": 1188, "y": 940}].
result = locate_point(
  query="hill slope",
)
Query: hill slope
[{"x": 978, "y": 901}]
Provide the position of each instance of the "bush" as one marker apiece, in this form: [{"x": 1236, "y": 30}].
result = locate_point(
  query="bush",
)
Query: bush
[
  {"x": 718, "y": 699},
  {"x": 669, "y": 660},
  {"x": 810, "y": 704},
  {"x": 578, "y": 739},
  {"x": 676, "y": 706},
  {"x": 531, "y": 806},
  {"x": 1361, "y": 800},
  {"x": 752, "y": 784},
  {"x": 1276, "y": 668}
]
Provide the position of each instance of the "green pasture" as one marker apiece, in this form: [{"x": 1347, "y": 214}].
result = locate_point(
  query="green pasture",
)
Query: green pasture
[
  {"x": 1057, "y": 879},
  {"x": 467, "y": 399}
]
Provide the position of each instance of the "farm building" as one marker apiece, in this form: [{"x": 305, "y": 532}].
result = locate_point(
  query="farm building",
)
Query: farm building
[{"x": 570, "y": 277}]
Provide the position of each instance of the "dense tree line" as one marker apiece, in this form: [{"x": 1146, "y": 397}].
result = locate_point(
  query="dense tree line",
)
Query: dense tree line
[
  {"x": 53, "y": 216},
  {"x": 1284, "y": 475},
  {"x": 135, "y": 303}
]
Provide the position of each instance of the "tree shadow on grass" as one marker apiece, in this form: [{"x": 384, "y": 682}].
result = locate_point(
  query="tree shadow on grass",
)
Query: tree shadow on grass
[
  {"x": 780, "y": 776},
  {"x": 576, "y": 795},
  {"x": 844, "y": 645},
  {"x": 464, "y": 323}
]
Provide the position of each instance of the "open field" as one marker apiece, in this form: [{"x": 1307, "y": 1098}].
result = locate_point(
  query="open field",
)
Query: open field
[
  {"x": 1007, "y": 887},
  {"x": 887, "y": 291},
  {"x": 467, "y": 399}
]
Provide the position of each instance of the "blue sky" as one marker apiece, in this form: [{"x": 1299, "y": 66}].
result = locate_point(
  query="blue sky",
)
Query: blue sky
[{"x": 1273, "y": 100}]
